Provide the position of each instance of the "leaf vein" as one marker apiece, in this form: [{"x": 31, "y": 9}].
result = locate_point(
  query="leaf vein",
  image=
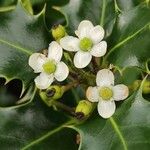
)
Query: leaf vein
[
  {"x": 126, "y": 40},
  {"x": 27, "y": 51},
  {"x": 116, "y": 128}
]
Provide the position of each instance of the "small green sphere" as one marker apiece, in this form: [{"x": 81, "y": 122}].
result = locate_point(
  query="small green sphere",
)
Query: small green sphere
[
  {"x": 49, "y": 67},
  {"x": 86, "y": 44},
  {"x": 58, "y": 32},
  {"x": 105, "y": 93}
]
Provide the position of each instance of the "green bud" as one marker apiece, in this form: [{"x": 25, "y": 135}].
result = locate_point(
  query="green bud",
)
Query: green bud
[
  {"x": 83, "y": 109},
  {"x": 146, "y": 87},
  {"x": 136, "y": 84},
  {"x": 54, "y": 92},
  {"x": 58, "y": 32}
]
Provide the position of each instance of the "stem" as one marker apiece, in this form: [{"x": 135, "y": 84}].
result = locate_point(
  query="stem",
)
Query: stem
[
  {"x": 103, "y": 13},
  {"x": 64, "y": 107},
  {"x": 117, "y": 9},
  {"x": 95, "y": 64},
  {"x": 69, "y": 86}
]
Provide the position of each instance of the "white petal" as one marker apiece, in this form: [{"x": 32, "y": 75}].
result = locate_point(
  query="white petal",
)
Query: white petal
[
  {"x": 106, "y": 108},
  {"x": 84, "y": 28},
  {"x": 43, "y": 81},
  {"x": 61, "y": 72},
  {"x": 99, "y": 49},
  {"x": 36, "y": 61},
  {"x": 92, "y": 94},
  {"x": 82, "y": 59},
  {"x": 120, "y": 92},
  {"x": 105, "y": 77},
  {"x": 70, "y": 43},
  {"x": 96, "y": 34},
  {"x": 55, "y": 51}
]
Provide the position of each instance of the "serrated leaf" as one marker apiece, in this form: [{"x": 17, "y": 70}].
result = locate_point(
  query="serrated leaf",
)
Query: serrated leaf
[
  {"x": 130, "y": 47},
  {"x": 128, "y": 5},
  {"x": 35, "y": 126},
  {"x": 99, "y": 12},
  {"x": 128, "y": 129},
  {"x": 21, "y": 34}
]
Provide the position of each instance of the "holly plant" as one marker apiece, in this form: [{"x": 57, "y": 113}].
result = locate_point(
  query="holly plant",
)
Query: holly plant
[{"x": 74, "y": 74}]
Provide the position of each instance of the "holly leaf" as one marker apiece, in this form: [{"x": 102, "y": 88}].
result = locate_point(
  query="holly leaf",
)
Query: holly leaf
[
  {"x": 129, "y": 43},
  {"x": 99, "y": 12},
  {"x": 21, "y": 34},
  {"x": 127, "y": 129},
  {"x": 35, "y": 126},
  {"x": 127, "y": 5}
]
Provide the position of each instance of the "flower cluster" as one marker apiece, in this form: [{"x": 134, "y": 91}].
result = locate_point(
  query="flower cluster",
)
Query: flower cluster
[{"x": 88, "y": 43}]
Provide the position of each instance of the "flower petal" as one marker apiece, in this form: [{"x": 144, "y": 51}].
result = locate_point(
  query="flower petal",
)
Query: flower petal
[
  {"x": 92, "y": 94},
  {"x": 43, "y": 81},
  {"x": 82, "y": 59},
  {"x": 105, "y": 77},
  {"x": 106, "y": 108},
  {"x": 70, "y": 43},
  {"x": 96, "y": 34},
  {"x": 83, "y": 29},
  {"x": 99, "y": 49},
  {"x": 36, "y": 61},
  {"x": 61, "y": 72},
  {"x": 120, "y": 92},
  {"x": 55, "y": 51}
]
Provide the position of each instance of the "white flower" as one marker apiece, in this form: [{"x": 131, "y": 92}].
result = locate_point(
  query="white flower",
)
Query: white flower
[
  {"x": 105, "y": 93},
  {"x": 87, "y": 44},
  {"x": 50, "y": 67}
]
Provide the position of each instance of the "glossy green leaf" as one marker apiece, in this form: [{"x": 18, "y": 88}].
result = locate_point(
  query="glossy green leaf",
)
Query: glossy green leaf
[
  {"x": 52, "y": 16},
  {"x": 98, "y": 11},
  {"x": 130, "y": 47},
  {"x": 35, "y": 126},
  {"x": 128, "y": 129},
  {"x": 5, "y": 3},
  {"x": 128, "y": 4},
  {"x": 21, "y": 34}
]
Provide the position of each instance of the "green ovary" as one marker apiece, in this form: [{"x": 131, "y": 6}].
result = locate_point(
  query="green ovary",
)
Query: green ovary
[
  {"x": 86, "y": 44},
  {"x": 105, "y": 93},
  {"x": 49, "y": 67}
]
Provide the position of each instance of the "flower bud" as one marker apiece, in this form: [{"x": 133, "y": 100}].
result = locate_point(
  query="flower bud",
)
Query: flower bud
[
  {"x": 146, "y": 87},
  {"x": 136, "y": 84},
  {"x": 52, "y": 93},
  {"x": 58, "y": 32},
  {"x": 83, "y": 109}
]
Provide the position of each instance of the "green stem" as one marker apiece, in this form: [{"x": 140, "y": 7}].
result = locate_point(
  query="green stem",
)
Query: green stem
[
  {"x": 117, "y": 9},
  {"x": 103, "y": 13}
]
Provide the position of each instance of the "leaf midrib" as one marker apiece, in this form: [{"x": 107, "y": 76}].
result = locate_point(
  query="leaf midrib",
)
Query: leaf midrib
[
  {"x": 126, "y": 39},
  {"x": 17, "y": 47},
  {"x": 120, "y": 135},
  {"x": 50, "y": 133}
]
